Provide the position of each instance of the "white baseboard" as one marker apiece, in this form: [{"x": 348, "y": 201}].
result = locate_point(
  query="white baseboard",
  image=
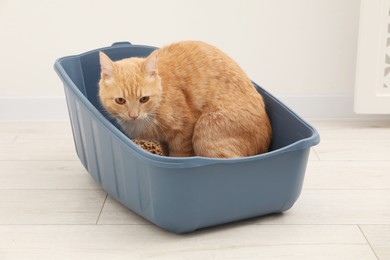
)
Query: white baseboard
[
  {"x": 54, "y": 108},
  {"x": 33, "y": 109},
  {"x": 326, "y": 107}
]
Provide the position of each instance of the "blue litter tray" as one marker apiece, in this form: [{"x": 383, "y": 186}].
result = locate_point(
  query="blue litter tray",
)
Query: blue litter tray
[{"x": 182, "y": 194}]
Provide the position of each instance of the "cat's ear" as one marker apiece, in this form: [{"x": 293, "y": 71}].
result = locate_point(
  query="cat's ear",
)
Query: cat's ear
[
  {"x": 151, "y": 65},
  {"x": 107, "y": 66}
]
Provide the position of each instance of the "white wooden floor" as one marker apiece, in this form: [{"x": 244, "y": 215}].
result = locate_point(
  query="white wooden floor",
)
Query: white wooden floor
[{"x": 50, "y": 208}]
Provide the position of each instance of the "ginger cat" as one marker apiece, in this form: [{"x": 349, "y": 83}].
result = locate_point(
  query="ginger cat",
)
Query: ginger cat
[{"x": 190, "y": 97}]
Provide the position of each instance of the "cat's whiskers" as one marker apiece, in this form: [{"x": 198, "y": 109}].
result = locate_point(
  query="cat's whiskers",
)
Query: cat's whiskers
[
  {"x": 148, "y": 123},
  {"x": 153, "y": 121}
]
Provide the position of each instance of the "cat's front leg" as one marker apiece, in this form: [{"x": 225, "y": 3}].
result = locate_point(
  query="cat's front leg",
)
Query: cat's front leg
[
  {"x": 180, "y": 147},
  {"x": 165, "y": 148},
  {"x": 181, "y": 153}
]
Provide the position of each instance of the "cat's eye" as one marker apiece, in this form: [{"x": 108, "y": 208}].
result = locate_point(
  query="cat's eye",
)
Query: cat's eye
[
  {"x": 120, "y": 100},
  {"x": 144, "y": 99}
]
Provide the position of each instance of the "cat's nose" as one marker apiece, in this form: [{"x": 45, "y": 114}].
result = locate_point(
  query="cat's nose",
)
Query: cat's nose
[{"x": 133, "y": 117}]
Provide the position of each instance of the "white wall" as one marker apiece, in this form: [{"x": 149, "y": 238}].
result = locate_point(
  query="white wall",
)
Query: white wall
[{"x": 292, "y": 48}]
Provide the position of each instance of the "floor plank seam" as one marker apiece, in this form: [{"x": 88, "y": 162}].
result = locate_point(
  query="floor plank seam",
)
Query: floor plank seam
[
  {"x": 368, "y": 242},
  {"x": 101, "y": 210}
]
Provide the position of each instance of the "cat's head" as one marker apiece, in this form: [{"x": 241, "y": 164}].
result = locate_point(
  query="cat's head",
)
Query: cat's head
[{"x": 130, "y": 89}]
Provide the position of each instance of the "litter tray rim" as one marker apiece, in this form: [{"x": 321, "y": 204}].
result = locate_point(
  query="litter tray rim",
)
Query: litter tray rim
[{"x": 178, "y": 162}]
